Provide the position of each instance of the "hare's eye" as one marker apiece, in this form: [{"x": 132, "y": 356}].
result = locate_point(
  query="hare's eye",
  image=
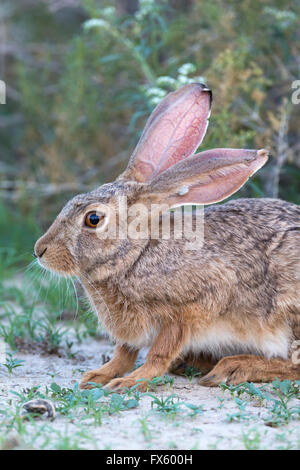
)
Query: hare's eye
[{"x": 93, "y": 220}]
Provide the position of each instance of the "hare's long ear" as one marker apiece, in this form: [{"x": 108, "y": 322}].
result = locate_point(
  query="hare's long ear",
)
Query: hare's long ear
[
  {"x": 173, "y": 132},
  {"x": 205, "y": 178}
]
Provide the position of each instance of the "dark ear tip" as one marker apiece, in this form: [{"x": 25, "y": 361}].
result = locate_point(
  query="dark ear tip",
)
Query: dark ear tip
[
  {"x": 206, "y": 89},
  {"x": 263, "y": 153}
]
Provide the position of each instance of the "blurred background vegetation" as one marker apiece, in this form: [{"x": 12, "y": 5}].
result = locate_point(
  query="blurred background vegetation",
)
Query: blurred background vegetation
[{"x": 83, "y": 75}]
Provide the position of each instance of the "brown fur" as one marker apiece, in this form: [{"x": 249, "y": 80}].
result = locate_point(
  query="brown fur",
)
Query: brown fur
[
  {"x": 238, "y": 295},
  {"x": 248, "y": 368}
]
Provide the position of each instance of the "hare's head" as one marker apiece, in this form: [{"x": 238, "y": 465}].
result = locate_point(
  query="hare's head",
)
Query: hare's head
[{"x": 90, "y": 235}]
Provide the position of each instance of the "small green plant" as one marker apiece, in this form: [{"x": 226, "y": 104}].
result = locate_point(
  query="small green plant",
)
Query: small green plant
[
  {"x": 12, "y": 363},
  {"x": 251, "y": 439},
  {"x": 281, "y": 413},
  {"x": 191, "y": 372},
  {"x": 276, "y": 397},
  {"x": 167, "y": 406},
  {"x": 145, "y": 429},
  {"x": 171, "y": 405},
  {"x": 195, "y": 410},
  {"x": 165, "y": 380}
]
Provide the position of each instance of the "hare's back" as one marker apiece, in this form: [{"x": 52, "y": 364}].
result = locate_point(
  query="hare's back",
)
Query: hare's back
[
  {"x": 257, "y": 218},
  {"x": 260, "y": 240}
]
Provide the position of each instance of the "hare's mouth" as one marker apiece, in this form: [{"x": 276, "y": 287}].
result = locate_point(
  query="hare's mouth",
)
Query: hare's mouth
[
  {"x": 55, "y": 270},
  {"x": 57, "y": 262}
]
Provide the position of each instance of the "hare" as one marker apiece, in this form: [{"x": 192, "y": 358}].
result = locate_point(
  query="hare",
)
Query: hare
[{"x": 231, "y": 307}]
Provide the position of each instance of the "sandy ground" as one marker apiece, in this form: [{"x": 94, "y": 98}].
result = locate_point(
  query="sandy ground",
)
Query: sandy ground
[{"x": 209, "y": 430}]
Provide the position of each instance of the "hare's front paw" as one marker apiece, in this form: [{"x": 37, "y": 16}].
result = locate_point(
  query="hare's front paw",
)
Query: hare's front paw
[
  {"x": 95, "y": 376},
  {"x": 124, "y": 383}
]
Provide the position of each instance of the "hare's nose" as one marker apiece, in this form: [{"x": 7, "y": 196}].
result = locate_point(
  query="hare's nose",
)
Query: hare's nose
[{"x": 38, "y": 253}]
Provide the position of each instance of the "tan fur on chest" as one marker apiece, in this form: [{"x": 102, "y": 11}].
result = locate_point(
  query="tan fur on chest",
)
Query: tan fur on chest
[{"x": 124, "y": 322}]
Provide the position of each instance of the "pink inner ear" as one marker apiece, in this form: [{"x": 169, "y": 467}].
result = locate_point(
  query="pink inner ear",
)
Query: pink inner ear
[{"x": 173, "y": 132}]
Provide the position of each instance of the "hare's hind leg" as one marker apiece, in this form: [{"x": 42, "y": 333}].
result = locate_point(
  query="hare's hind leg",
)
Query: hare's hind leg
[
  {"x": 247, "y": 368},
  {"x": 203, "y": 363}
]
